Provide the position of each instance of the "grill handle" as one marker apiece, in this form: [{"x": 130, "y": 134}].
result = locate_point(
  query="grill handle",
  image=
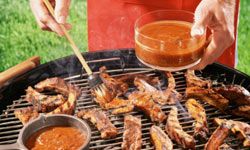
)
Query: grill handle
[
  {"x": 14, "y": 146},
  {"x": 19, "y": 69}
]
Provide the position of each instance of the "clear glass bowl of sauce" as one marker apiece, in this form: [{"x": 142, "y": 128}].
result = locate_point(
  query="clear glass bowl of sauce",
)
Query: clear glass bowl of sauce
[{"x": 163, "y": 40}]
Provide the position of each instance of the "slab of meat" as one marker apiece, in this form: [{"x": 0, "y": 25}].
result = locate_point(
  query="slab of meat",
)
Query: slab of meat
[
  {"x": 236, "y": 94},
  {"x": 116, "y": 103},
  {"x": 240, "y": 129},
  {"x": 209, "y": 96},
  {"x": 125, "y": 109},
  {"x": 148, "y": 106},
  {"x": 218, "y": 137},
  {"x": 132, "y": 136},
  {"x": 45, "y": 103},
  {"x": 242, "y": 111},
  {"x": 58, "y": 85},
  {"x": 26, "y": 114},
  {"x": 160, "y": 139},
  {"x": 175, "y": 131},
  {"x": 196, "y": 111},
  {"x": 101, "y": 121},
  {"x": 168, "y": 96},
  {"x": 192, "y": 80}
]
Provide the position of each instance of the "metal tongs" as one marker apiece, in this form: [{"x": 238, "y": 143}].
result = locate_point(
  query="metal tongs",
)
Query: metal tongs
[{"x": 94, "y": 80}]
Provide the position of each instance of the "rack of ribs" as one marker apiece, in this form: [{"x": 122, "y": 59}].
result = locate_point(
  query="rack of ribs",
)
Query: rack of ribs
[
  {"x": 240, "y": 129},
  {"x": 160, "y": 139},
  {"x": 132, "y": 136},
  {"x": 175, "y": 131},
  {"x": 196, "y": 111},
  {"x": 218, "y": 137},
  {"x": 101, "y": 121},
  {"x": 192, "y": 80}
]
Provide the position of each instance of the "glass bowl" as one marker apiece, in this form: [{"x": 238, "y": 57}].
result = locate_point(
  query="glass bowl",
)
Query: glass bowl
[{"x": 163, "y": 40}]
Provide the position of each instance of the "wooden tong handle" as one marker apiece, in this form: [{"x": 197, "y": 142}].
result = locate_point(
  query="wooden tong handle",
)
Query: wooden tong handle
[
  {"x": 72, "y": 43},
  {"x": 19, "y": 69}
]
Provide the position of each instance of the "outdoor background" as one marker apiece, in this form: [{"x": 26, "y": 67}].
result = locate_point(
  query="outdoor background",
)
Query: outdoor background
[{"x": 20, "y": 38}]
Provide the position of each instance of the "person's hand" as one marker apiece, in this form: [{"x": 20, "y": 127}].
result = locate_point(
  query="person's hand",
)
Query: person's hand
[
  {"x": 218, "y": 16},
  {"x": 45, "y": 20}
]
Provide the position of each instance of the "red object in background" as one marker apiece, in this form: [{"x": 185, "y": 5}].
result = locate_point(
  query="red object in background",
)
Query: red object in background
[{"x": 111, "y": 22}]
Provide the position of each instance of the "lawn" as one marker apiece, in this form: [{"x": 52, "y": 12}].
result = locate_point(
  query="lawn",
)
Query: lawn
[{"x": 20, "y": 37}]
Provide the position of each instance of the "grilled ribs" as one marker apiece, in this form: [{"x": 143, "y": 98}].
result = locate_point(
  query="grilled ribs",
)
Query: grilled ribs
[
  {"x": 196, "y": 111},
  {"x": 132, "y": 136},
  {"x": 160, "y": 139},
  {"x": 218, "y": 137},
  {"x": 225, "y": 147},
  {"x": 241, "y": 129},
  {"x": 192, "y": 80},
  {"x": 236, "y": 94},
  {"x": 101, "y": 121},
  {"x": 45, "y": 103},
  {"x": 26, "y": 114},
  {"x": 125, "y": 109},
  {"x": 162, "y": 97},
  {"x": 58, "y": 85},
  {"x": 242, "y": 111},
  {"x": 148, "y": 106},
  {"x": 209, "y": 96},
  {"x": 175, "y": 131}
]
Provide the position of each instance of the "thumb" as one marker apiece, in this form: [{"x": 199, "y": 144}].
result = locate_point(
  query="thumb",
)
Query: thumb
[
  {"x": 62, "y": 10},
  {"x": 202, "y": 17}
]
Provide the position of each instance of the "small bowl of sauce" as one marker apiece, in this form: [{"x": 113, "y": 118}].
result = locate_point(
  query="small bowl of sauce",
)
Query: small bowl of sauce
[
  {"x": 53, "y": 132},
  {"x": 163, "y": 40}
]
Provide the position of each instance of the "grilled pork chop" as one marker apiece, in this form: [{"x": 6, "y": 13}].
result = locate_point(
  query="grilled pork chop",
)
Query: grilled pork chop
[
  {"x": 218, "y": 137},
  {"x": 241, "y": 129},
  {"x": 148, "y": 106},
  {"x": 45, "y": 103},
  {"x": 209, "y": 96},
  {"x": 160, "y": 139},
  {"x": 101, "y": 121},
  {"x": 242, "y": 111},
  {"x": 175, "y": 131},
  {"x": 192, "y": 80},
  {"x": 196, "y": 110},
  {"x": 58, "y": 85},
  {"x": 132, "y": 136},
  {"x": 236, "y": 94},
  {"x": 26, "y": 114}
]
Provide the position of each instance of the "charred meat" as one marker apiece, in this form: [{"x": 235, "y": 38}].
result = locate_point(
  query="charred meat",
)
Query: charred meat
[
  {"x": 236, "y": 94},
  {"x": 240, "y": 129},
  {"x": 192, "y": 80},
  {"x": 160, "y": 139},
  {"x": 209, "y": 96},
  {"x": 26, "y": 114},
  {"x": 101, "y": 121},
  {"x": 148, "y": 106},
  {"x": 242, "y": 111},
  {"x": 196, "y": 111},
  {"x": 58, "y": 85},
  {"x": 175, "y": 131},
  {"x": 218, "y": 137},
  {"x": 132, "y": 136},
  {"x": 44, "y": 102}
]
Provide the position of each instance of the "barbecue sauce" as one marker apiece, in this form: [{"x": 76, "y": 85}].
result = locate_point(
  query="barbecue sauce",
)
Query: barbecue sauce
[
  {"x": 55, "y": 138},
  {"x": 168, "y": 44}
]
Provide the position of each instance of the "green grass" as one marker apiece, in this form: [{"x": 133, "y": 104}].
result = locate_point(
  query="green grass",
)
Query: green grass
[{"x": 20, "y": 38}]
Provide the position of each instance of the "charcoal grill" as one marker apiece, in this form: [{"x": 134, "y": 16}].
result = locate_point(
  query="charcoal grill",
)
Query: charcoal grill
[{"x": 118, "y": 62}]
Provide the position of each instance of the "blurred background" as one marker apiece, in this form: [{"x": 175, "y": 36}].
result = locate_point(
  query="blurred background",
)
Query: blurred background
[{"x": 21, "y": 38}]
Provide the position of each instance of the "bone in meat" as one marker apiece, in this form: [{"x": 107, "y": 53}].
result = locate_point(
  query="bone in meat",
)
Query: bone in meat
[
  {"x": 132, "y": 136},
  {"x": 175, "y": 131},
  {"x": 192, "y": 80},
  {"x": 160, "y": 139}
]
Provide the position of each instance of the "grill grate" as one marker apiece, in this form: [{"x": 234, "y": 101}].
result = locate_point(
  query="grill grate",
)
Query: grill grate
[{"x": 10, "y": 126}]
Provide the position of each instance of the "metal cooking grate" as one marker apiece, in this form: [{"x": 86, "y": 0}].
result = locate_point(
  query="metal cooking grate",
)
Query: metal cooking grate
[{"x": 10, "y": 126}]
